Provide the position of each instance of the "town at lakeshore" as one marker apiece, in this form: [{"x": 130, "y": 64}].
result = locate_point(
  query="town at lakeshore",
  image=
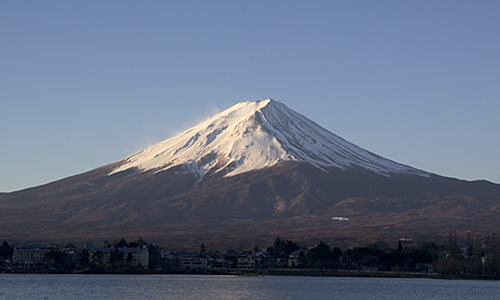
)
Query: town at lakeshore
[{"x": 474, "y": 257}]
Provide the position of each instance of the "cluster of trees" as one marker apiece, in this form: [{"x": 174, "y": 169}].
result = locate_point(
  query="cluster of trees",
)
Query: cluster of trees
[
  {"x": 476, "y": 256},
  {"x": 480, "y": 257},
  {"x": 124, "y": 244},
  {"x": 282, "y": 248},
  {"x": 60, "y": 261},
  {"x": 358, "y": 258}
]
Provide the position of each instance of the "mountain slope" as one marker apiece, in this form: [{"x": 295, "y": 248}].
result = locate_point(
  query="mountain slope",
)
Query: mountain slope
[{"x": 253, "y": 172}]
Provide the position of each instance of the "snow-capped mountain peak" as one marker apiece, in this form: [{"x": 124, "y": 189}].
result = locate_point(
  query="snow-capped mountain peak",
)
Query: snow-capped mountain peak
[{"x": 256, "y": 134}]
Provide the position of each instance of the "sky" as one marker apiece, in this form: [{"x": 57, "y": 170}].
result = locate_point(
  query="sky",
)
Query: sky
[{"x": 87, "y": 83}]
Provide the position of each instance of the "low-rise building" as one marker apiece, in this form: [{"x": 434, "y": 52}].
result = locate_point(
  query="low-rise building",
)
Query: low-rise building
[
  {"x": 137, "y": 257},
  {"x": 245, "y": 263},
  {"x": 293, "y": 259},
  {"x": 190, "y": 262},
  {"x": 219, "y": 263},
  {"x": 31, "y": 254}
]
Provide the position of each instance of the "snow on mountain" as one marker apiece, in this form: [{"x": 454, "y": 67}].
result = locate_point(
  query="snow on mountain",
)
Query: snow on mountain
[{"x": 253, "y": 135}]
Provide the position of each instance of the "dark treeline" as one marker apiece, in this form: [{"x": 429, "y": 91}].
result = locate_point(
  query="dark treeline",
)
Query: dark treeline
[
  {"x": 368, "y": 258},
  {"x": 470, "y": 257},
  {"x": 475, "y": 257},
  {"x": 480, "y": 256}
]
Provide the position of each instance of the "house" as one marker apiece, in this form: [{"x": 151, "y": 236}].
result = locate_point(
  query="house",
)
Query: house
[
  {"x": 282, "y": 262},
  {"x": 220, "y": 263},
  {"x": 245, "y": 263},
  {"x": 293, "y": 259},
  {"x": 137, "y": 257},
  {"x": 31, "y": 254},
  {"x": 191, "y": 262}
]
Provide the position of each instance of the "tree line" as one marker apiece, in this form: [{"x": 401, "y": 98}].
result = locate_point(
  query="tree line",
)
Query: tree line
[{"x": 477, "y": 256}]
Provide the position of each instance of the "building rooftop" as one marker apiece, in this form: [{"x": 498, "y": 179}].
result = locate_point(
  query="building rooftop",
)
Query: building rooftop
[{"x": 35, "y": 245}]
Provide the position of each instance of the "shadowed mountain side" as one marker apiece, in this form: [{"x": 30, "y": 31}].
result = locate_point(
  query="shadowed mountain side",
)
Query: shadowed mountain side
[{"x": 290, "y": 199}]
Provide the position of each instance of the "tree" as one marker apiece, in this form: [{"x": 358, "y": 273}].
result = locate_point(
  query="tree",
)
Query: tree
[
  {"x": 155, "y": 259},
  {"x": 282, "y": 247},
  {"x": 97, "y": 263},
  {"x": 477, "y": 256},
  {"x": 492, "y": 265},
  {"x": 83, "y": 259},
  {"x": 140, "y": 243},
  {"x": 321, "y": 257},
  {"x": 5, "y": 250},
  {"x": 115, "y": 257},
  {"x": 203, "y": 250},
  {"x": 453, "y": 248},
  {"x": 336, "y": 255},
  {"x": 275, "y": 250},
  {"x": 121, "y": 244},
  {"x": 290, "y": 247},
  {"x": 58, "y": 261}
]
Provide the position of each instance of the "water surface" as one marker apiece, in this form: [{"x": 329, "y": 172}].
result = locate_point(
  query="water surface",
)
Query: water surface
[{"x": 29, "y": 286}]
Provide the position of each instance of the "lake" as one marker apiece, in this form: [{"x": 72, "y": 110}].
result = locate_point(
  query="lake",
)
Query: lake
[{"x": 31, "y": 286}]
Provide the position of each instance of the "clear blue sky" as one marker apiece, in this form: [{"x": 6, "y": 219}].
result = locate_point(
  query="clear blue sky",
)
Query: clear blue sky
[{"x": 86, "y": 83}]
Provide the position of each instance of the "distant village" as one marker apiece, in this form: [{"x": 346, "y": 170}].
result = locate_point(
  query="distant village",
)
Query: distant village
[{"x": 475, "y": 258}]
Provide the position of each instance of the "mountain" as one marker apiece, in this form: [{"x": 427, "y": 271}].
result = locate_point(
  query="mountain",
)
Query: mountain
[{"x": 250, "y": 173}]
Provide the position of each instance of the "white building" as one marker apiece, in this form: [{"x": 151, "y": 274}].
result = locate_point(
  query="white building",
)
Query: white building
[
  {"x": 31, "y": 254},
  {"x": 194, "y": 263}
]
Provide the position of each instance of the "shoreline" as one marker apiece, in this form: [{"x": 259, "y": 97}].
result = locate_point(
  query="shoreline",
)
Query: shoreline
[
  {"x": 344, "y": 273},
  {"x": 286, "y": 273}
]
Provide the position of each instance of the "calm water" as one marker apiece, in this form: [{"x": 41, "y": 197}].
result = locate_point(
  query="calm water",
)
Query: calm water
[{"x": 14, "y": 286}]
